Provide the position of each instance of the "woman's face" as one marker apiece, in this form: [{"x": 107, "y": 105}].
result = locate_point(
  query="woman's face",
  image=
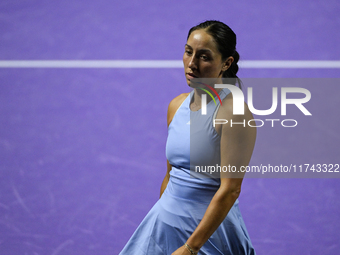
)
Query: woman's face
[{"x": 201, "y": 57}]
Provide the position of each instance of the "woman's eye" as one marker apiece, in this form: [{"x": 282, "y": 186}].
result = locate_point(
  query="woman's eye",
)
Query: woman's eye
[
  {"x": 188, "y": 52},
  {"x": 204, "y": 57}
]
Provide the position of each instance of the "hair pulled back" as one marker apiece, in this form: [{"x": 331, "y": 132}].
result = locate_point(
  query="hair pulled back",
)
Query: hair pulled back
[{"x": 225, "y": 39}]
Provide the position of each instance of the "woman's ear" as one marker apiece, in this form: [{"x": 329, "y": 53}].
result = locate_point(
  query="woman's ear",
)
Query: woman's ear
[{"x": 227, "y": 63}]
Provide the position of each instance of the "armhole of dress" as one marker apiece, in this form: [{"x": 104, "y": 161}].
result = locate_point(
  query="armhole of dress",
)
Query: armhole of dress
[
  {"x": 215, "y": 113},
  {"x": 178, "y": 109}
]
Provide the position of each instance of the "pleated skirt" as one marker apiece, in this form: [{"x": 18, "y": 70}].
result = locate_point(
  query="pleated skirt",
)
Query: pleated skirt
[{"x": 176, "y": 215}]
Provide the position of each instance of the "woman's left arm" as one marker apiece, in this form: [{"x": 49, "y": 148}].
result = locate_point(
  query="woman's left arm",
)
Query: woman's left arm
[{"x": 237, "y": 144}]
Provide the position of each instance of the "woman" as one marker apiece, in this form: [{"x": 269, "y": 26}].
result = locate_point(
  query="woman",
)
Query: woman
[{"x": 200, "y": 215}]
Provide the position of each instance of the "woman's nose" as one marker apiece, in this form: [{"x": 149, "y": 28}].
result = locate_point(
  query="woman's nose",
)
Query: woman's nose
[{"x": 192, "y": 62}]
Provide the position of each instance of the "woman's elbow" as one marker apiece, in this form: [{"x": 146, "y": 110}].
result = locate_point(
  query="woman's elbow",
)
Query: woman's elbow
[{"x": 232, "y": 190}]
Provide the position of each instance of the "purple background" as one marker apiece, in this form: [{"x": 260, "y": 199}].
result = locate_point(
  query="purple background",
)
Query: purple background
[{"x": 82, "y": 151}]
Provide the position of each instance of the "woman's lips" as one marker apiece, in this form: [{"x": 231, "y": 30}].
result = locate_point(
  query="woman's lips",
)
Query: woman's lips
[{"x": 191, "y": 76}]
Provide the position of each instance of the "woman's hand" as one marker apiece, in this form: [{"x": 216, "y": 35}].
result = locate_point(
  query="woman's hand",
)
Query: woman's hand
[{"x": 181, "y": 251}]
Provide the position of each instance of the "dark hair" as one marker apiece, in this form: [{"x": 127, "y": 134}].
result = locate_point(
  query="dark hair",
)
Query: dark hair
[{"x": 225, "y": 39}]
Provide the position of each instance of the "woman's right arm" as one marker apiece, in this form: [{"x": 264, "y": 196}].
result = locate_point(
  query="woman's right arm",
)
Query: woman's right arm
[
  {"x": 173, "y": 106},
  {"x": 166, "y": 178}
]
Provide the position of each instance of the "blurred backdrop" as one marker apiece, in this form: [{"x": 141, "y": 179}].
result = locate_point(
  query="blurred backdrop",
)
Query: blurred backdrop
[{"x": 82, "y": 150}]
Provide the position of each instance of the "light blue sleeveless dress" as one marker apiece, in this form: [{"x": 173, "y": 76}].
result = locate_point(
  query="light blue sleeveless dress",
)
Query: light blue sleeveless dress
[{"x": 192, "y": 140}]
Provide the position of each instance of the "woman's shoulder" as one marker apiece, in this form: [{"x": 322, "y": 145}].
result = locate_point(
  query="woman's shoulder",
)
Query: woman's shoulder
[
  {"x": 178, "y": 100},
  {"x": 227, "y": 106},
  {"x": 174, "y": 105}
]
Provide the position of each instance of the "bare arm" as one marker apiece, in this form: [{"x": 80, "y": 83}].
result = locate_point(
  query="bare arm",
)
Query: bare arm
[
  {"x": 166, "y": 178},
  {"x": 173, "y": 106},
  {"x": 237, "y": 144}
]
